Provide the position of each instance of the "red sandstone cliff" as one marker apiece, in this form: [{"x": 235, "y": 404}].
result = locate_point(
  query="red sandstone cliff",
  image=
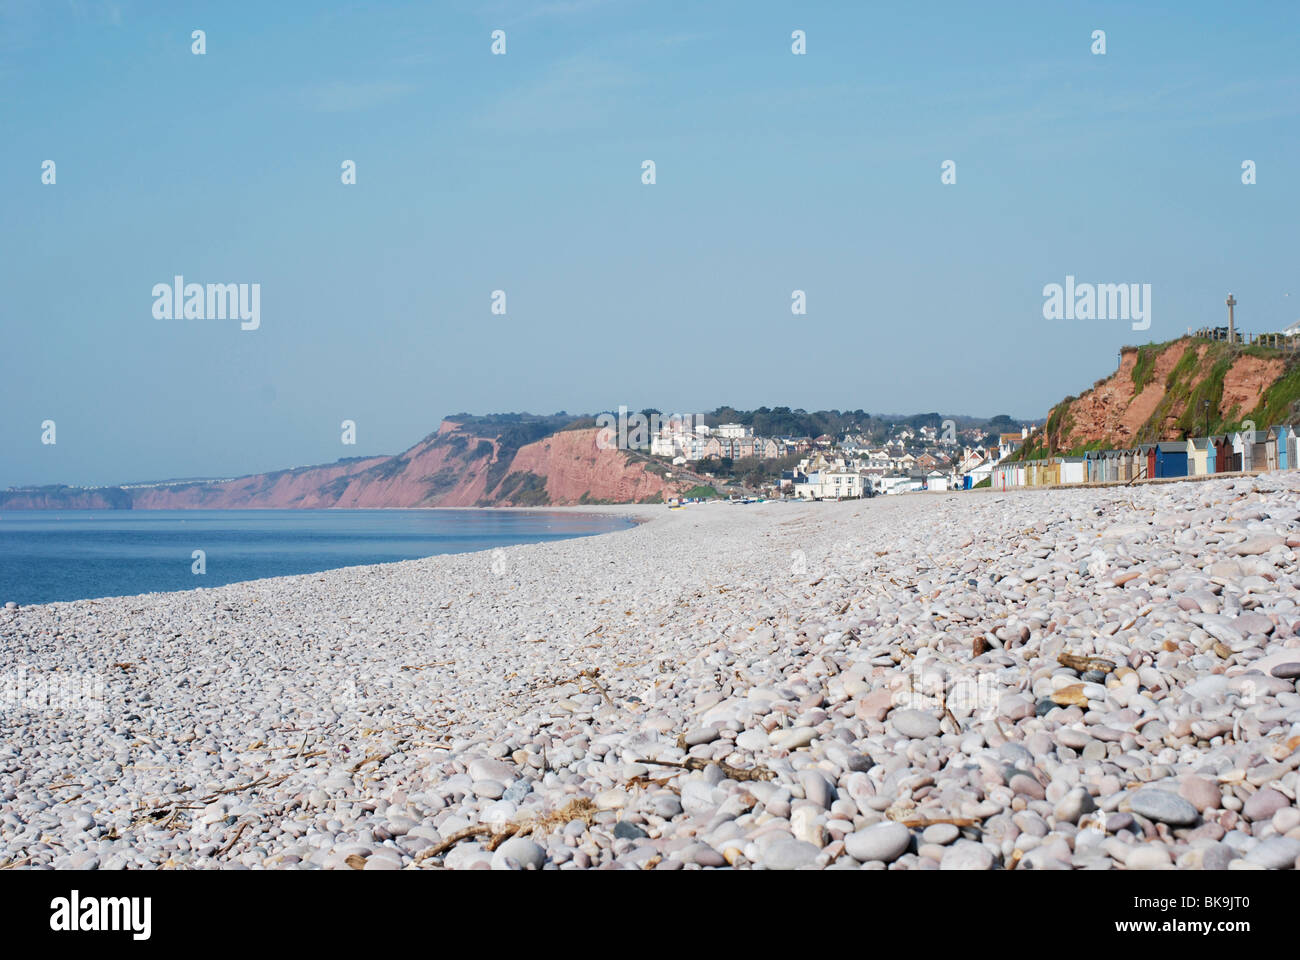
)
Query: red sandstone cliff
[
  {"x": 1167, "y": 391},
  {"x": 458, "y": 466}
]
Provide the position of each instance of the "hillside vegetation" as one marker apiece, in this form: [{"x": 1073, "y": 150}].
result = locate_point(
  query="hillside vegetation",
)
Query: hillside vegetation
[{"x": 1170, "y": 391}]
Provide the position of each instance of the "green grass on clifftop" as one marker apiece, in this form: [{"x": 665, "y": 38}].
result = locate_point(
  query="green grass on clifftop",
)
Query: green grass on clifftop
[{"x": 1191, "y": 400}]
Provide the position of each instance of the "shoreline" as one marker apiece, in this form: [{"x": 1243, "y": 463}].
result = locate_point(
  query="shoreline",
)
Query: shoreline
[
  {"x": 635, "y": 520},
  {"x": 752, "y": 687}
]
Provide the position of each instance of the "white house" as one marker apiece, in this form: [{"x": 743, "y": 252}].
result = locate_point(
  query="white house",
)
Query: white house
[
  {"x": 733, "y": 431},
  {"x": 833, "y": 483},
  {"x": 663, "y": 446},
  {"x": 693, "y": 447},
  {"x": 981, "y": 471}
]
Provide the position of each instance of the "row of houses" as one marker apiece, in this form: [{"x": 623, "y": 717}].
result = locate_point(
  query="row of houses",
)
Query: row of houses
[
  {"x": 731, "y": 441},
  {"x": 828, "y": 476},
  {"x": 1245, "y": 450}
]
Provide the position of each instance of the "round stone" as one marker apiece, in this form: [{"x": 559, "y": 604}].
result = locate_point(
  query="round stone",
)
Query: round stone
[
  {"x": 817, "y": 789},
  {"x": 940, "y": 834},
  {"x": 667, "y": 806},
  {"x": 522, "y": 851},
  {"x": 790, "y": 855},
  {"x": 1094, "y": 751},
  {"x": 882, "y": 841},
  {"x": 1149, "y": 856},
  {"x": 1263, "y": 804},
  {"x": 1162, "y": 805},
  {"x": 916, "y": 724},
  {"x": 1073, "y": 738},
  {"x": 625, "y": 830},
  {"x": 487, "y": 768},
  {"x": 1024, "y": 784},
  {"x": 795, "y": 738},
  {"x": 1074, "y": 805},
  {"x": 966, "y": 855},
  {"x": 1017, "y": 707},
  {"x": 1275, "y": 853},
  {"x": 1201, "y": 792},
  {"x": 693, "y": 738},
  {"x": 615, "y": 799},
  {"x": 1286, "y": 819},
  {"x": 705, "y": 856}
]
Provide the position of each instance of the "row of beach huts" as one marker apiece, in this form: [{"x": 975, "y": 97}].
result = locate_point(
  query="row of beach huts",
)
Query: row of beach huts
[{"x": 1245, "y": 450}]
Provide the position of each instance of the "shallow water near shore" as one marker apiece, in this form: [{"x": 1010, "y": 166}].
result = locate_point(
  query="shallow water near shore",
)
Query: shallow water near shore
[{"x": 53, "y": 555}]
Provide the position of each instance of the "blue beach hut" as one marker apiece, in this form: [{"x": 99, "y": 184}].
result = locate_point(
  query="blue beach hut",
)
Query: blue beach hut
[{"x": 1171, "y": 459}]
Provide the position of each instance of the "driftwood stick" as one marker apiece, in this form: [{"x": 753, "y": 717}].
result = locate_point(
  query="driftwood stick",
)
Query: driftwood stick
[
  {"x": 732, "y": 773},
  {"x": 948, "y": 713},
  {"x": 591, "y": 675},
  {"x": 502, "y": 837},
  {"x": 263, "y": 781},
  {"x": 238, "y": 833},
  {"x": 481, "y": 830},
  {"x": 373, "y": 758},
  {"x": 579, "y": 808}
]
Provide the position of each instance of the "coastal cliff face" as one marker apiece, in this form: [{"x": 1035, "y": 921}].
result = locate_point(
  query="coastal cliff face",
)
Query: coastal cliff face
[
  {"x": 1161, "y": 392},
  {"x": 577, "y": 471},
  {"x": 458, "y": 466},
  {"x": 64, "y": 498}
]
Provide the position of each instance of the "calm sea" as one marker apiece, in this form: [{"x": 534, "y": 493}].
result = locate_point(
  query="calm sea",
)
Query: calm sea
[{"x": 48, "y": 555}]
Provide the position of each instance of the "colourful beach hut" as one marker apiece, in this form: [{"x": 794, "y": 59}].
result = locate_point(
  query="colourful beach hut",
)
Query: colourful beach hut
[
  {"x": 1071, "y": 470},
  {"x": 1127, "y": 459},
  {"x": 1254, "y": 449},
  {"x": 1227, "y": 458},
  {"x": 1094, "y": 467},
  {"x": 1171, "y": 458},
  {"x": 1147, "y": 464},
  {"x": 1110, "y": 465},
  {"x": 1241, "y": 450},
  {"x": 1270, "y": 449},
  {"x": 1199, "y": 450}
]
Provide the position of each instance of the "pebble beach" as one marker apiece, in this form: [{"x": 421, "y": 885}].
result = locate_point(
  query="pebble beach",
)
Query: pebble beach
[{"x": 1097, "y": 679}]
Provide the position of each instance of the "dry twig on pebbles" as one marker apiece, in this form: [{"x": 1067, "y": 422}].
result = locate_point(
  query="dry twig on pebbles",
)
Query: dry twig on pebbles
[
  {"x": 238, "y": 833},
  {"x": 373, "y": 758},
  {"x": 262, "y": 781},
  {"x": 590, "y": 674},
  {"x": 580, "y": 808},
  {"x": 731, "y": 773}
]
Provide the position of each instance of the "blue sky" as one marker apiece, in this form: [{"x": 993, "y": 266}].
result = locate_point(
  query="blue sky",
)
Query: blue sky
[{"x": 522, "y": 172}]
